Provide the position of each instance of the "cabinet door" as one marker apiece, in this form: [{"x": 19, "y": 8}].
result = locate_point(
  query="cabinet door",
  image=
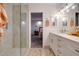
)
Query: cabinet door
[
  {"x": 65, "y": 52},
  {"x": 51, "y": 40},
  {"x": 53, "y": 43},
  {"x": 63, "y": 47},
  {"x": 74, "y": 46}
]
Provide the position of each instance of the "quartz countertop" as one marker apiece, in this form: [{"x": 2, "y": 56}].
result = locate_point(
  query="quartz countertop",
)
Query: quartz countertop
[{"x": 64, "y": 35}]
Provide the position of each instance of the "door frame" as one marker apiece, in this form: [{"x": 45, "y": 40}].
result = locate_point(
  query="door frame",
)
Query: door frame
[{"x": 30, "y": 28}]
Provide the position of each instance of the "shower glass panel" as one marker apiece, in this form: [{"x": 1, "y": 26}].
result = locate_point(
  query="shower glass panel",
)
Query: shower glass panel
[
  {"x": 24, "y": 28},
  {"x": 16, "y": 26},
  {"x": 10, "y": 44},
  {"x": 16, "y": 36}
]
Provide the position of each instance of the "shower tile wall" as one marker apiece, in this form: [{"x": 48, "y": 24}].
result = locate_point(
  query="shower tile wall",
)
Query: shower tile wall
[
  {"x": 16, "y": 35},
  {"x": 11, "y": 41},
  {"x": 7, "y": 39},
  {"x": 24, "y": 27},
  {"x": 16, "y": 26},
  {"x": 23, "y": 30}
]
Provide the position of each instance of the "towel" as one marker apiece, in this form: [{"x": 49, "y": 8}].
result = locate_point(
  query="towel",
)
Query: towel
[
  {"x": 3, "y": 16},
  {"x": 1, "y": 32},
  {"x": 3, "y": 19}
]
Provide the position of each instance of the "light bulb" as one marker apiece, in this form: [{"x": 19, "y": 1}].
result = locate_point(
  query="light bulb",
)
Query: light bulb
[
  {"x": 23, "y": 22},
  {"x": 39, "y": 23},
  {"x": 64, "y": 19},
  {"x": 53, "y": 19},
  {"x": 73, "y": 7}
]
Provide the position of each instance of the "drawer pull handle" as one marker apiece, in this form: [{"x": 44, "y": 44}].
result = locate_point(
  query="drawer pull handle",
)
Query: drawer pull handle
[
  {"x": 59, "y": 40},
  {"x": 59, "y": 52},
  {"x": 77, "y": 50},
  {"x": 59, "y": 45}
]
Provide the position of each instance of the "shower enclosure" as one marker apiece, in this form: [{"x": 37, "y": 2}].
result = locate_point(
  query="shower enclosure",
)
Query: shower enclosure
[{"x": 16, "y": 36}]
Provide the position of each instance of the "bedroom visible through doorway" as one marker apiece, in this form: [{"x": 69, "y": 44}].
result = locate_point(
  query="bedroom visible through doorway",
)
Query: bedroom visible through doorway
[{"x": 36, "y": 30}]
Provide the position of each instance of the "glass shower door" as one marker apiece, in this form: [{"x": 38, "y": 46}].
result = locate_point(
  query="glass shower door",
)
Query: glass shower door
[
  {"x": 16, "y": 38},
  {"x": 10, "y": 43},
  {"x": 24, "y": 29}
]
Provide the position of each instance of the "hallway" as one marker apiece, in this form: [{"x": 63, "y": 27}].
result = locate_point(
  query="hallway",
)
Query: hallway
[{"x": 36, "y": 42}]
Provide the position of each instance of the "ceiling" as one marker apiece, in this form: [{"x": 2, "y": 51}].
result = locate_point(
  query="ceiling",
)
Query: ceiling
[
  {"x": 51, "y": 8},
  {"x": 36, "y": 16}
]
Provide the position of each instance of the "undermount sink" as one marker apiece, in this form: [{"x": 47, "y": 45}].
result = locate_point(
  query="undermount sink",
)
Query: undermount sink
[{"x": 74, "y": 34}]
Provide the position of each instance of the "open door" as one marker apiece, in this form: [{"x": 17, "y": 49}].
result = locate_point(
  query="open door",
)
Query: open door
[{"x": 36, "y": 30}]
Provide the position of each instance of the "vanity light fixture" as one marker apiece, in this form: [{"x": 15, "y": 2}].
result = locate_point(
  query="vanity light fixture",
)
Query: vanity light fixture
[
  {"x": 73, "y": 7},
  {"x": 53, "y": 19},
  {"x": 67, "y": 10},
  {"x": 57, "y": 15},
  {"x": 64, "y": 19}
]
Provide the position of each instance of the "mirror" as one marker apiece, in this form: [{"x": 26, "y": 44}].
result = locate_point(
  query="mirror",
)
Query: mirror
[
  {"x": 54, "y": 21},
  {"x": 64, "y": 21},
  {"x": 77, "y": 18}
]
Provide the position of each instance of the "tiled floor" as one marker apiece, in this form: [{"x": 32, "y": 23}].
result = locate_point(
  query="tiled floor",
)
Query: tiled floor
[
  {"x": 26, "y": 52},
  {"x": 37, "y": 52},
  {"x": 10, "y": 52}
]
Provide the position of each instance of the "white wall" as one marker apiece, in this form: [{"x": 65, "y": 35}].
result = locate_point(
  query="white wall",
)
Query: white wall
[{"x": 47, "y": 10}]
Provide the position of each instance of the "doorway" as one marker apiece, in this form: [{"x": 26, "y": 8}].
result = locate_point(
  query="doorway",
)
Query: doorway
[{"x": 36, "y": 30}]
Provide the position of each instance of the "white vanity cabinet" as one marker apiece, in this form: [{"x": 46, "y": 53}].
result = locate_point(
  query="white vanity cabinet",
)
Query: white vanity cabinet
[
  {"x": 53, "y": 43},
  {"x": 74, "y": 46},
  {"x": 62, "y": 46}
]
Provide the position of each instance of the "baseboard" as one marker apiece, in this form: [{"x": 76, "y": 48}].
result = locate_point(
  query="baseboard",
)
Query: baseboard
[
  {"x": 46, "y": 46},
  {"x": 52, "y": 51}
]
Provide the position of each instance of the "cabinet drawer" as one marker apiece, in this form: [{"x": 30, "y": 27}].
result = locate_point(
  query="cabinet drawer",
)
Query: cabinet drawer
[
  {"x": 62, "y": 42},
  {"x": 64, "y": 51},
  {"x": 74, "y": 46},
  {"x": 51, "y": 36},
  {"x": 64, "y": 47}
]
